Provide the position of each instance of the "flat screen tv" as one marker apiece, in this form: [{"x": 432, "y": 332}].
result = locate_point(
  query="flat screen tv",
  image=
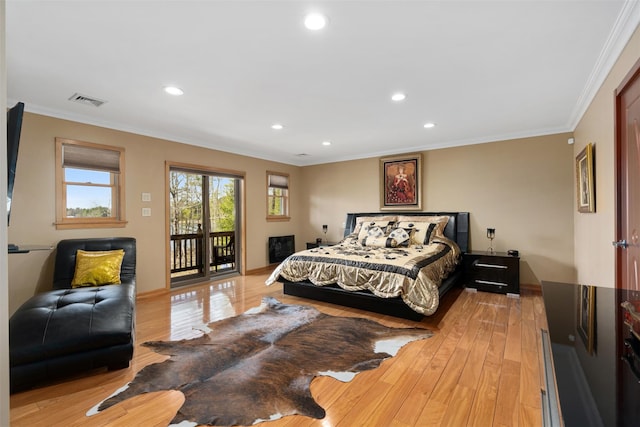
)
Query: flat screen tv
[{"x": 14, "y": 126}]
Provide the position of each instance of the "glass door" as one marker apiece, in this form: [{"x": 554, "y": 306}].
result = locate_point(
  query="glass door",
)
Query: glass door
[
  {"x": 203, "y": 225},
  {"x": 223, "y": 223}
]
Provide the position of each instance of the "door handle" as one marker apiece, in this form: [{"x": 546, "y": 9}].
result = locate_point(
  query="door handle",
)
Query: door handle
[{"x": 621, "y": 244}]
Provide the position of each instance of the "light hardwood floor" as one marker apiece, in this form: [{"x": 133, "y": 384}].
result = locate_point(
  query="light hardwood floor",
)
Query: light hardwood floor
[{"x": 482, "y": 367}]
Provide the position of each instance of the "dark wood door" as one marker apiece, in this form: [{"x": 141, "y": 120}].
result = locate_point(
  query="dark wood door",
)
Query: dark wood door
[{"x": 628, "y": 243}]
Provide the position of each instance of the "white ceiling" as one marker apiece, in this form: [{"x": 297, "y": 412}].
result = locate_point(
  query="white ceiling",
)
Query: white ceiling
[{"x": 481, "y": 70}]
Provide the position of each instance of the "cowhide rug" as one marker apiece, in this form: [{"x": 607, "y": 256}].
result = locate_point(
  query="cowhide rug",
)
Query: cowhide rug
[{"x": 258, "y": 366}]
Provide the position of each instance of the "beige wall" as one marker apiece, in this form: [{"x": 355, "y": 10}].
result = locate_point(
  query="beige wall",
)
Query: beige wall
[
  {"x": 504, "y": 185},
  {"x": 33, "y": 210},
  {"x": 594, "y": 232},
  {"x": 523, "y": 188}
]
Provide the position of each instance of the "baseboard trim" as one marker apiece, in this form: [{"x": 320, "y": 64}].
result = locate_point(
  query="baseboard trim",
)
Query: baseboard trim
[
  {"x": 154, "y": 293},
  {"x": 531, "y": 287},
  {"x": 262, "y": 270}
]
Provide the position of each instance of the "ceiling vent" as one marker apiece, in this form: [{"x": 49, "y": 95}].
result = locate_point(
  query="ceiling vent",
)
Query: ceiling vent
[{"x": 87, "y": 100}]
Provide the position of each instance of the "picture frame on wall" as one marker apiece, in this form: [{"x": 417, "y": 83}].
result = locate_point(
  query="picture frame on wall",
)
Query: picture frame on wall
[
  {"x": 586, "y": 316},
  {"x": 585, "y": 180},
  {"x": 401, "y": 182}
]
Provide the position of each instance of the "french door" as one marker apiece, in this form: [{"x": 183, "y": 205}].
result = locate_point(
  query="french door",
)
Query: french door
[{"x": 204, "y": 239}]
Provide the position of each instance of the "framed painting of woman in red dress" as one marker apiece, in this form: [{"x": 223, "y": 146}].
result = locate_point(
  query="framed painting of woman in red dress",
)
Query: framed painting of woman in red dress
[{"x": 400, "y": 185}]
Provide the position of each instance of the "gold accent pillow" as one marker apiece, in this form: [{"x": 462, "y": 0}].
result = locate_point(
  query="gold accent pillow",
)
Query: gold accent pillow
[{"x": 95, "y": 268}]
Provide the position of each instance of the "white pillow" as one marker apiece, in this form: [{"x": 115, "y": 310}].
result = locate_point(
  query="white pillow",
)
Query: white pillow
[
  {"x": 373, "y": 227},
  {"x": 375, "y": 232},
  {"x": 400, "y": 235},
  {"x": 382, "y": 221}
]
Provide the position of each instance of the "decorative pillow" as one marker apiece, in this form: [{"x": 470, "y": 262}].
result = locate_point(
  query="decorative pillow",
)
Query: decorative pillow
[
  {"x": 379, "y": 242},
  {"x": 400, "y": 235},
  {"x": 427, "y": 227},
  {"x": 421, "y": 232},
  {"x": 441, "y": 223},
  {"x": 95, "y": 268},
  {"x": 351, "y": 239},
  {"x": 365, "y": 229},
  {"x": 375, "y": 232},
  {"x": 383, "y": 220}
]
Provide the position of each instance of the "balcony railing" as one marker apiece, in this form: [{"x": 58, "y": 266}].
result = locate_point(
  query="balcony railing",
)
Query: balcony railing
[{"x": 186, "y": 252}]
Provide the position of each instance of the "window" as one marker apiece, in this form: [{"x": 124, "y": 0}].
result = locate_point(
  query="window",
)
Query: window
[
  {"x": 89, "y": 185},
  {"x": 277, "y": 196}
]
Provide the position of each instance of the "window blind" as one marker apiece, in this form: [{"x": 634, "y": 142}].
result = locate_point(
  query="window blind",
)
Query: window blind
[
  {"x": 279, "y": 181},
  {"x": 83, "y": 157},
  {"x": 211, "y": 173}
]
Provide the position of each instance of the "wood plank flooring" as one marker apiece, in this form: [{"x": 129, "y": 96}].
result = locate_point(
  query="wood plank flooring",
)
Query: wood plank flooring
[{"x": 482, "y": 367}]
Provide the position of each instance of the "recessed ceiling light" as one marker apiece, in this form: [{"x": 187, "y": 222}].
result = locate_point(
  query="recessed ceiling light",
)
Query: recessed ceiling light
[
  {"x": 173, "y": 90},
  {"x": 429, "y": 125},
  {"x": 398, "y": 97},
  {"x": 277, "y": 126},
  {"x": 326, "y": 143},
  {"x": 315, "y": 21}
]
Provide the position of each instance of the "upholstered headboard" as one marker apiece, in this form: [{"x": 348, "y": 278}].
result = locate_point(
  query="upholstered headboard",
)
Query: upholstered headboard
[{"x": 457, "y": 228}]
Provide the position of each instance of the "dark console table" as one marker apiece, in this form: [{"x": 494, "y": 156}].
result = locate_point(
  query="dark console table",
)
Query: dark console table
[
  {"x": 25, "y": 249},
  {"x": 608, "y": 368}
]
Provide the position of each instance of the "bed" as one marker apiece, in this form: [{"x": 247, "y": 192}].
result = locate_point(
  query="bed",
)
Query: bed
[{"x": 377, "y": 268}]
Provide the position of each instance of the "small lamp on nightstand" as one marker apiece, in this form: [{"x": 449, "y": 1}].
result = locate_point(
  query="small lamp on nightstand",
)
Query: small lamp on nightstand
[
  {"x": 325, "y": 227},
  {"x": 491, "y": 234}
]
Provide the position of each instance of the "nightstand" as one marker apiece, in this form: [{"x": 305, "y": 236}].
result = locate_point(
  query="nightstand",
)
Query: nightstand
[
  {"x": 313, "y": 245},
  {"x": 492, "y": 272}
]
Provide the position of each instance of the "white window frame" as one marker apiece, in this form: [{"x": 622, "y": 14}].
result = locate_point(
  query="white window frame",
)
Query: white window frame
[{"x": 106, "y": 159}]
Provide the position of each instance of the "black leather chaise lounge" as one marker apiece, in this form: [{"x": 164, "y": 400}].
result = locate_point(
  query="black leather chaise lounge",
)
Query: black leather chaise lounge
[{"x": 68, "y": 330}]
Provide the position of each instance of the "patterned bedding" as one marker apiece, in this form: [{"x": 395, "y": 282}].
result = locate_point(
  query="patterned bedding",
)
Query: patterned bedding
[{"x": 414, "y": 272}]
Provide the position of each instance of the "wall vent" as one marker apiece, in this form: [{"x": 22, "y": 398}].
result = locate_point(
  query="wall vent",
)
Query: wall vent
[{"x": 87, "y": 100}]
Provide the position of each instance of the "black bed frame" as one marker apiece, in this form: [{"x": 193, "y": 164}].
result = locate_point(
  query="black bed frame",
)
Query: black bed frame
[{"x": 457, "y": 229}]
